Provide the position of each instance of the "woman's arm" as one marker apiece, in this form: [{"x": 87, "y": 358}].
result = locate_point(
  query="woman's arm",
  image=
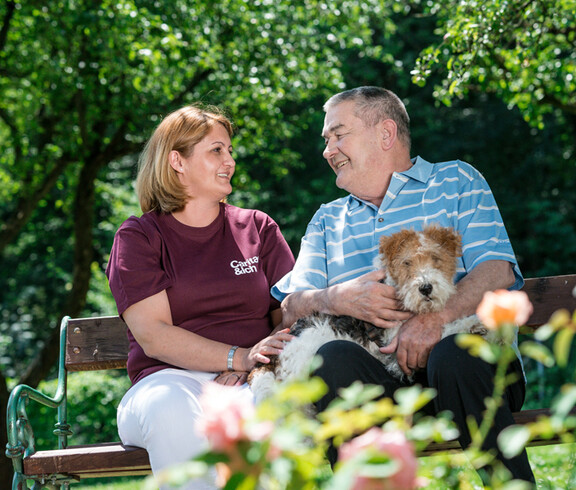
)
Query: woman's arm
[{"x": 150, "y": 321}]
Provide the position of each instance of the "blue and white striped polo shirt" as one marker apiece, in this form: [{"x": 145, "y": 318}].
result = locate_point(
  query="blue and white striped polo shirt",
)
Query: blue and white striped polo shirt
[{"x": 342, "y": 238}]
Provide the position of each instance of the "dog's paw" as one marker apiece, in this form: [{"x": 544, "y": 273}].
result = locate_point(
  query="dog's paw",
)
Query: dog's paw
[{"x": 479, "y": 329}]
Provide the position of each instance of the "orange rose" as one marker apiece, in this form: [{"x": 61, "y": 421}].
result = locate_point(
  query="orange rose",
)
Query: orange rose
[{"x": 504, "y": 307}]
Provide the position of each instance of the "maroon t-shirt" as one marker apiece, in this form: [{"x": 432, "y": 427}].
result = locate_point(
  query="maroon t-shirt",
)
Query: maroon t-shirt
[{"x": 217, "y": 278}]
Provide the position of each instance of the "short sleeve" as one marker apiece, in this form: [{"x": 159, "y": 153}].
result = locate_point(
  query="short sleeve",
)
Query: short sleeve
[
  {"x": 484, "y": 235},
  {"x": 310, "y": 270},
  {"x": 136, "y": 270},
  {"x": 277, "y": 258}
]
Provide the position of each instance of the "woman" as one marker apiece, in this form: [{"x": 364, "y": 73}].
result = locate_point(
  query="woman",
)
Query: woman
[{"x": 191, "y": 278}]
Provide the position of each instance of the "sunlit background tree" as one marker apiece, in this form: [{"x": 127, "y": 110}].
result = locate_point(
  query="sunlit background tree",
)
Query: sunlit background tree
[{"x": 83, "y": 84}]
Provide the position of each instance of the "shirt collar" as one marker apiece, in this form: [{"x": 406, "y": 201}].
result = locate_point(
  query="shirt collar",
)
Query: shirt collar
[{"x": 420, "y": 171}]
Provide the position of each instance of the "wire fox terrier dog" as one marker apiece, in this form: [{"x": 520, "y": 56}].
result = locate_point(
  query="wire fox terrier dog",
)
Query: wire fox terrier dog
[{"x": 421, "y": 266}]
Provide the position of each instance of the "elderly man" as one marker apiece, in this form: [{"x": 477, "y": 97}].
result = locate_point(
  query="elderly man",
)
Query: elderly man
[{"x": 367, "y": 136}]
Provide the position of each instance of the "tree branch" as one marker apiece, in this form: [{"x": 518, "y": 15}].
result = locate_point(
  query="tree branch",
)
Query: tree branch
[
  {"x": 13, "y": 224},
  {"x": 84, "y": 203},
  {"x": 554, "y": 102},
  {"x": 13, "y": 132},
  {"x": 10, "y": 9},
  {"x": 198, "y": 77}
]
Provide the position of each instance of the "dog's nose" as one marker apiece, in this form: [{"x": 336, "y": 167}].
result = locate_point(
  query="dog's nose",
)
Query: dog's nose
[{"x": 425, "y": 289}]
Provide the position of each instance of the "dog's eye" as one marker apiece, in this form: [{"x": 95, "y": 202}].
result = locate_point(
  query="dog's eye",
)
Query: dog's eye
[
  {"x": 407, "y": 263},
  {"x": 436, "y": 259}
]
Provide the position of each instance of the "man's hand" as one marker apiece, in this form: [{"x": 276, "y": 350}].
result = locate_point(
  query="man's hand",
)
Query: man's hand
[
  {"x": 232, "y": 378},
  {"x": 365, "y": 298},
  {"x": 415, "y": 341},
  {"x": 368, "y": 299}
]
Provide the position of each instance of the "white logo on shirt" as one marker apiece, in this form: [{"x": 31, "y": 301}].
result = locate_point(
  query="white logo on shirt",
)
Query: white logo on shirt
[{"x": 245, "y": 267}]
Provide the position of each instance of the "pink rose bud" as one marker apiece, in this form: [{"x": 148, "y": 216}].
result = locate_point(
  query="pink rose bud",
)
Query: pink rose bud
[
  {"x": 396, "y": 446},
  {"x": 224, "y": 416}
]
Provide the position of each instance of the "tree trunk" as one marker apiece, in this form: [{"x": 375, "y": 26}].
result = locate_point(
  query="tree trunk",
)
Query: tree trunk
[
  {"x": 83, "y": 250},
  {"x": 6, "y": 470},
  {"x": 83, "y": 254},
  {"x": 39, "y": 368}
]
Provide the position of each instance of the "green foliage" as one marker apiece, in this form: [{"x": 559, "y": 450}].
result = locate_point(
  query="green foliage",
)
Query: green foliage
[
  {"x": 524, "y": 51},
  {"x": 292, "y": 456},
  {"x": 93, "y": 397}
]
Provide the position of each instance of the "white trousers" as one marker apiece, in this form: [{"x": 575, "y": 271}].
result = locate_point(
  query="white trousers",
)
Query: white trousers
[{"x": 159, "y": 413}]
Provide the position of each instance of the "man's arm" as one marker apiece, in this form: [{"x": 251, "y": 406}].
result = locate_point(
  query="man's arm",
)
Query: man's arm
[
  {"x": 365, "y": 298},
  {"x": 421, "y": 333}
]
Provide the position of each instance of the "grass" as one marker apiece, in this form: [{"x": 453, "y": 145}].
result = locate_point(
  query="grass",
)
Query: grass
[
  {"x": 124, "y": 483},
  {"x": 554, "y": 468}
]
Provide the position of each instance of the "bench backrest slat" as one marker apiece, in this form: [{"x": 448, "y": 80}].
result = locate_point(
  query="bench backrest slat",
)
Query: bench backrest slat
[
  {"x": 101, "y": 343},
  {"x": 549, "y": 294},
  {"x": 96, "y": 343}
]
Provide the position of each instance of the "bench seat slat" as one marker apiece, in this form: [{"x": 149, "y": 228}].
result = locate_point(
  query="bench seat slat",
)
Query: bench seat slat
[{"x": 113, "y": 458}]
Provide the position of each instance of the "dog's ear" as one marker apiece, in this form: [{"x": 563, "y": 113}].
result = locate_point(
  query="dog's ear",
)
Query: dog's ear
[
  {"x": 391, "y": 245},
  {"x": 449, "y": 238}
]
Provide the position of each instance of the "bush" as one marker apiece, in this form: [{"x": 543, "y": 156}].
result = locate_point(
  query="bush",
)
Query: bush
[
  {"x": 544, "y": 383},
  {"x": 93, "y": 397}
]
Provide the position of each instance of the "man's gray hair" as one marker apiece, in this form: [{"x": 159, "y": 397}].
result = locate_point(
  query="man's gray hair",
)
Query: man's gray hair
[{"x": 375, "y": 104}]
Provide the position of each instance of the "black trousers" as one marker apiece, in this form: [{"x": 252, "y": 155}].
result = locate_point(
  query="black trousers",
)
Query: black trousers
[{"x": 462, "y": 381}]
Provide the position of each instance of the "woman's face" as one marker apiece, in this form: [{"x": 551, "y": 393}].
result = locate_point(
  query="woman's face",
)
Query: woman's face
[{"x": 207, "y": 172}]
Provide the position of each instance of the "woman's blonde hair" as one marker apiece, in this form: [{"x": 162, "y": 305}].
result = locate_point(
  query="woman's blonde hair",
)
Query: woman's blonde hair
[{"x": 157, "y": 184}]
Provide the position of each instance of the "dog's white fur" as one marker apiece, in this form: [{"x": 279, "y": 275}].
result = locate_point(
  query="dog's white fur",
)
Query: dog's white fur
[{"x": 421, "y": 265}]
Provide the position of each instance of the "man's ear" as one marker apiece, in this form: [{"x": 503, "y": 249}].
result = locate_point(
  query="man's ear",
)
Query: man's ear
[
  {"x": 175, "y": 160},
  {"x": 388, "y": 132}
]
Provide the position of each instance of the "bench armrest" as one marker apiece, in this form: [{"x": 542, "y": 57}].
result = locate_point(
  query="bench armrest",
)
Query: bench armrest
[{"x": 20, "y": 434}]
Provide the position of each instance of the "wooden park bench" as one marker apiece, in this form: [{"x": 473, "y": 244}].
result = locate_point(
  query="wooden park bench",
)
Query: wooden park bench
[{"x": 100, "y": 343}]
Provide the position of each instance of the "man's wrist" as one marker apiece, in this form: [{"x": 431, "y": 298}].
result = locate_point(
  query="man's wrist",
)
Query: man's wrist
[{"x": 329, "y": 300}]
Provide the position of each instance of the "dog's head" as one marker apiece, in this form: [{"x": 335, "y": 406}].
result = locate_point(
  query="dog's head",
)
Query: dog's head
[{"x": 422, "y": 265}]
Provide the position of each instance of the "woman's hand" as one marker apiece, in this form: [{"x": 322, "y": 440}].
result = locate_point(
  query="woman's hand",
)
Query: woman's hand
[
  {"x": 231, "y": 378},
  {"x": 269, "y": 346}
]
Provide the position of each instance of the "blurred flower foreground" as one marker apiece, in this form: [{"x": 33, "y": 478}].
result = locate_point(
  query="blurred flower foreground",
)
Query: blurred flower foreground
[{"x": 278, "y": 445}]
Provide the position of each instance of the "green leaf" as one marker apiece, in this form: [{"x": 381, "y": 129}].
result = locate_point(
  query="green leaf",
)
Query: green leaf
[
  {"x": 413, "y": 398},
  {"x": 538, "y": 352},
  {"x": 562, "y": 345},
  {"x": 513, "y": 440},
  {"x": 357, "y": 395},
  {"x": 479, "y": 347},
  {"x": 565, "y": 401},
  {"x": 544, "y": 332}
]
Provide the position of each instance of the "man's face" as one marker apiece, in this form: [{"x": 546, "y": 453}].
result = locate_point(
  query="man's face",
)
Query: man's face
[{"x": 353, "y": 151}]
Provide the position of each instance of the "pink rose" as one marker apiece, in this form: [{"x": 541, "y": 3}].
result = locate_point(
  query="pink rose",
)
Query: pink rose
[
  {"x": 396, "y": 446},
  {"x": 503, "y": 307},
  {"x": 225, "y": 412}
]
